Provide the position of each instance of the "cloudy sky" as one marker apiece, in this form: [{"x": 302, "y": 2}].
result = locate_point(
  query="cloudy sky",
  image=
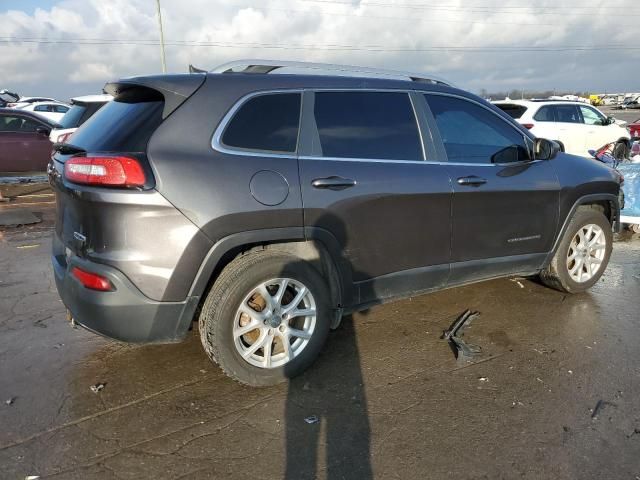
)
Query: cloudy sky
[{"x": 65, "y": 48}]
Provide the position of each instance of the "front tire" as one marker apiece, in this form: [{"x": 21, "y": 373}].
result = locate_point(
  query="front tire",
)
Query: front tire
[
  {"x": 266, "y": 318},
  {"x": 583, "y": 253}
]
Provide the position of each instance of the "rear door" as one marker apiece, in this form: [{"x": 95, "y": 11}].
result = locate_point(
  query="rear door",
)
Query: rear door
[
  {"x": 505, "y": 206},
  {"x": 364, "y": 180},
  {"x": 571, "y": 128}
]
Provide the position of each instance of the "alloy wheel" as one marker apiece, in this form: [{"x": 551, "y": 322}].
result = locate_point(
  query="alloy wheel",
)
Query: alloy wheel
[
  {"x": 274, "y": 322},
  {"x": 586, "y": 253}
]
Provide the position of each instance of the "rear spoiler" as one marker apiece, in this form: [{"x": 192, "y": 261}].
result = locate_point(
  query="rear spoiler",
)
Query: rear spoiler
[{"x": 174, "y": 88}]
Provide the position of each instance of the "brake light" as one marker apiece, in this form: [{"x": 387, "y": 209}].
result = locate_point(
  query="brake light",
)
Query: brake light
[
  {"x": 92, "y": 281},
  {"x": 528, "y": 126},
  {"x": 109, "y": 171}
]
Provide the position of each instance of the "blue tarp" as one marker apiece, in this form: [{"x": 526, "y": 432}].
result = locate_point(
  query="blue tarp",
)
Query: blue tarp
[{"x": 631, "y": 188}]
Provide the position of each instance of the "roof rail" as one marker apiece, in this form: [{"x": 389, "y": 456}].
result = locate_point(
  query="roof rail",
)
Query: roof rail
[{"x": 268, "y": 66}]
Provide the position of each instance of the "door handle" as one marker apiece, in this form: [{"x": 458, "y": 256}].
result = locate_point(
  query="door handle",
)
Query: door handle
[
  {"x": 472, "y": 181},
  {"x": 333, "y": 183}
]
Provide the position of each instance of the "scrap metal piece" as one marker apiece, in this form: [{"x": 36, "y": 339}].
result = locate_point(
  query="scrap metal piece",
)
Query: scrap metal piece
[
  {"x": 97, "y": 387},
  {"x": 464, "y": 351},
  {"x": 600, "y": 406},
  {"x": 312, "y": 419}
]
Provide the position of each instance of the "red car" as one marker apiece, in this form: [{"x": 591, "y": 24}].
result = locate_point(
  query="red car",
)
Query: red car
[{"x": 24, "y": 141}]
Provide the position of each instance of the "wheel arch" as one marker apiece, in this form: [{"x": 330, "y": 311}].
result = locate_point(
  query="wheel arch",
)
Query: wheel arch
[
  {"x": 605, "y": 202},
  {"x": 318, "y": 246}
]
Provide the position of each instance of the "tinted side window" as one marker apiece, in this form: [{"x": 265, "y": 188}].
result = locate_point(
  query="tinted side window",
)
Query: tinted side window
[
  {"x": 267, "y": 123},
  {"x": 545, "y": 114},
  {"x": 10, "y": 124},
  {"x": 41, "y": 108},
  {"x": 60, "y": 109},
  {"x": 472, "y": 134},
  {"x": 568, "y": 114},
  {"x": 17, "y": 124},
  {"x": 376, "y": 125}
]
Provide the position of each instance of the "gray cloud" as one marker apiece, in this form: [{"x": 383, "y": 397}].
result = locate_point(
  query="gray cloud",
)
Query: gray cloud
[{"x": 422, "y": 36}]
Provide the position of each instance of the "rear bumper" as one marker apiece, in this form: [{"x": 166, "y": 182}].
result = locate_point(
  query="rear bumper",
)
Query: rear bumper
[{"x": 123, "y": 314}]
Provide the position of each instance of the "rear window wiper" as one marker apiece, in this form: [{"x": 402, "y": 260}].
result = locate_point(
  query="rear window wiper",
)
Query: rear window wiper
[{"x": 67, "y": 148}]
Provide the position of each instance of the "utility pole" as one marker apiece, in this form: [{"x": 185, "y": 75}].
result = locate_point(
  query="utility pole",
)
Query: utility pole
[{"x": 162, "y": 56}]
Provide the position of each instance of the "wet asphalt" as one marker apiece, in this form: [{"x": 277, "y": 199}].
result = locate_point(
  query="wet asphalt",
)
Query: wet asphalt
[{"x": 555, "y": 393}]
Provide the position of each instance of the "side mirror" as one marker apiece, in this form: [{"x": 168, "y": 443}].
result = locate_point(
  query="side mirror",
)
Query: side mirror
[
  {"x": 545, "y": 149},
  {"x": 609, "y": 121},
  {"x": 43, "y": 131}
]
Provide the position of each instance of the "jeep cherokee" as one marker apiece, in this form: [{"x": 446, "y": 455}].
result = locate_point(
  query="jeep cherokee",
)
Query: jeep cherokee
[{"x": 266, "y": 206}]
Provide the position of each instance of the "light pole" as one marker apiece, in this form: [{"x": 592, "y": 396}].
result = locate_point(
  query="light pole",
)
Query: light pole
[{"x": 162, "y": 56}]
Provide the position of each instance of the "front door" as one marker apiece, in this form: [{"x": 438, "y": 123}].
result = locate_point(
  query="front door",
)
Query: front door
[
  {"x": 505, "y": 206},
  {"x": 364, "y": 180}
]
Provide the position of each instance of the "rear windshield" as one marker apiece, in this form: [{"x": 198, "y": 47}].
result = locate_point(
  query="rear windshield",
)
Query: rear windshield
[
  {"x": 122, "y": 125},
  {"x": 514, "y": 111},
  {"x": 79, "y": 113}
]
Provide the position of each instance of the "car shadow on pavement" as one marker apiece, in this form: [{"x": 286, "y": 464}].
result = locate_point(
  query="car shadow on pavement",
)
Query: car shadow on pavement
[{"x": 326, "y": 413}]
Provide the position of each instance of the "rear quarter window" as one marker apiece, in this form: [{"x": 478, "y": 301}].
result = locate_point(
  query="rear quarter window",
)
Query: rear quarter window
[{"x": 267, "y": 123}]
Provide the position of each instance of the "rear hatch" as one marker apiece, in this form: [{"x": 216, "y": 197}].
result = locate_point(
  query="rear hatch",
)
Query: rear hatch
[{"x": 91, "y": 202}]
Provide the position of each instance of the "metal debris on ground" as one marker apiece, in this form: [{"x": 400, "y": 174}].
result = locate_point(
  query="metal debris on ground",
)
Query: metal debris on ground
[
  {"x": 464, "y": 352},
  {"x": 10, "y": 401},
  {"x": 28, "y": 246},
  {"x": 517, "y": 280},
  {"x": 312, "y": 419},
  {"x": 599, "y": 406},
  {"x": 97, "y": 387},
  {"x": 32, "y": 477},
  {"x": 483, "y": 379}
]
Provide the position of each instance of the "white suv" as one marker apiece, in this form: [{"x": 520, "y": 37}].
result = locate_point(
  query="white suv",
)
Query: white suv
[
  {"x": 576, "y": 126},
  {"x": 82, "y": 108}
]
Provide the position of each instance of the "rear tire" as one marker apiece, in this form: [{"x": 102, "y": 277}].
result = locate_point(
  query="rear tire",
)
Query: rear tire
[
  {"x": 256, "y": 289},
  {"x": 583, "y": 253}
]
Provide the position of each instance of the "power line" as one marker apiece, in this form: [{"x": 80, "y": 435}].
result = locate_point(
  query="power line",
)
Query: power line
[
  {"x": 542, "y": 10},
  {"x": 414, "y": 18},
  {"x": 339, "y": 47}
]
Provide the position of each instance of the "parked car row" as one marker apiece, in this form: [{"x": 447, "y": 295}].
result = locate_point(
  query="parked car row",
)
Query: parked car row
[
  {"x": 32, "y": 125},
  {"x": 576, "y": 126}
]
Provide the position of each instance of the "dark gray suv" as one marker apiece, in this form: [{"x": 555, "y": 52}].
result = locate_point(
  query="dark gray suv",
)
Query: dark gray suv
[{"x": 266, "y": 206}]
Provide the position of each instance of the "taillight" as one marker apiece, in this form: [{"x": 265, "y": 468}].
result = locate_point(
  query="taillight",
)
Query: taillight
[
  {"x": 92, "y": 281},
  {"x": 109, "y": 171},
  {"x": 528, "y": 126}
]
